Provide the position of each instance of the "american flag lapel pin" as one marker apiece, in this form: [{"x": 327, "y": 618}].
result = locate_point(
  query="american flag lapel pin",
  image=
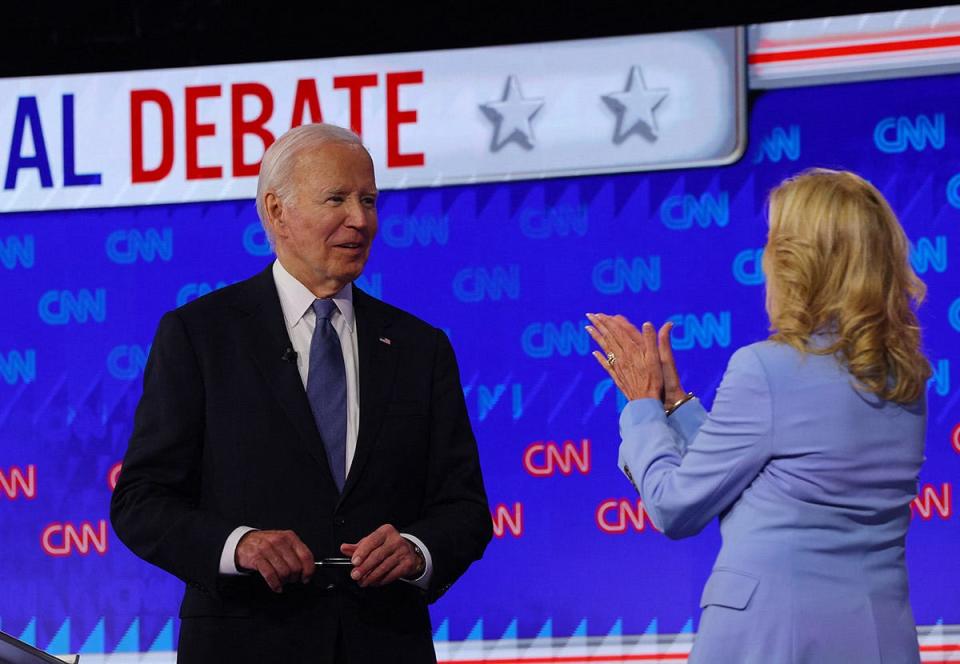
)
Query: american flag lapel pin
[{"x": 385, "y": 340}]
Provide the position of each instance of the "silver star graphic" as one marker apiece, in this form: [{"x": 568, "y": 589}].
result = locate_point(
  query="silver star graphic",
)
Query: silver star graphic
[
  {"x": 634, "y": 108},
  {"x": 511, "y": 117}
]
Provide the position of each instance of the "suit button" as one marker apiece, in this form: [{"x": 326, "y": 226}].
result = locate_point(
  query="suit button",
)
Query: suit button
[
  {"x": 331, "y": 586},
  {"x": 339, "y": 521}
]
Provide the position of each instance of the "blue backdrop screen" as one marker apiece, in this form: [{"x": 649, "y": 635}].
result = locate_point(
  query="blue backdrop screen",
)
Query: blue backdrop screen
[{"x": 508, "y": 270}]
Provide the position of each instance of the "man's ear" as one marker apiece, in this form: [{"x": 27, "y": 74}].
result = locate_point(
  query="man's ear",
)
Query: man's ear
[{"x": 274, "y": 209}]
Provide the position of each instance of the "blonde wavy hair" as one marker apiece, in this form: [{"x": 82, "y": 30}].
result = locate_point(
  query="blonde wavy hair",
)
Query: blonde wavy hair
[{"x": 837, "y": 260}]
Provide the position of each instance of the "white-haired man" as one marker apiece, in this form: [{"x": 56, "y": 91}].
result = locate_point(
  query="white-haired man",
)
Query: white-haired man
[{"x": 290, "y": 419}]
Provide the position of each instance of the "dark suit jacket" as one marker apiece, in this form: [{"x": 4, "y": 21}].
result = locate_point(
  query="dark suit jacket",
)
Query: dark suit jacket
[{"x": 224, "y": 436}]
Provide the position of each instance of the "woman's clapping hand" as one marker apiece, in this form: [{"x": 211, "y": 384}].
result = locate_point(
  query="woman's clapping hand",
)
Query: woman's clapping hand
[{"x": 640, "y": 362}]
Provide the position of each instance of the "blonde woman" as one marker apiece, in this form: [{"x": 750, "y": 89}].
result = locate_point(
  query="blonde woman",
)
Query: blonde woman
[{"x": 811, "y": 452}]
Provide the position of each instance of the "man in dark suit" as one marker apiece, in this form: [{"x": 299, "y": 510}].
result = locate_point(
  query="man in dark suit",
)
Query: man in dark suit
[{"x": 291, "y": 418}]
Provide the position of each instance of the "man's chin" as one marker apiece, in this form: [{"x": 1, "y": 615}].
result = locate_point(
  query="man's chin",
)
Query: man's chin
[{"x": 350, "y": 275}]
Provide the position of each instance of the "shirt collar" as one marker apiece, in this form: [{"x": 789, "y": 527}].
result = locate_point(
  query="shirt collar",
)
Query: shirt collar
[{"x": 296, "y": 299}]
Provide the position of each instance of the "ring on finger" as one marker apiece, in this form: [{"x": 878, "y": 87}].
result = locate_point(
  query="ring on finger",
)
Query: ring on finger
[{"x": 611, "y": 358}]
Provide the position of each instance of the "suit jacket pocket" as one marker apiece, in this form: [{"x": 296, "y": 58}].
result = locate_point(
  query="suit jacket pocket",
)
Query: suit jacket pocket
[{"x": 729, "y": 588}]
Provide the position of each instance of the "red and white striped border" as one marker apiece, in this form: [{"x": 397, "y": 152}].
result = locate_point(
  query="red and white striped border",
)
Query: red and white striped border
[{"x": 865, "y": 46}]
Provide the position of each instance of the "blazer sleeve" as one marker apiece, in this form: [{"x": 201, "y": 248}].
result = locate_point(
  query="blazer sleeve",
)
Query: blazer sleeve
[
  {"x": 684, "y": 487},
  {"x": 155, "y": 507},
  {"x": 455, "y": 520},
  {"x": 686, "y": 422}
]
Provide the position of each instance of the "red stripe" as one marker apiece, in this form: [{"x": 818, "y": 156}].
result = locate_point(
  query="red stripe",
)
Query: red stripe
[
  {"x": 950, "y": 647},
  {"x": 854, "y": 49},
  {"x": 773, "y": 42},
  {"x": 652, "y": 657}
]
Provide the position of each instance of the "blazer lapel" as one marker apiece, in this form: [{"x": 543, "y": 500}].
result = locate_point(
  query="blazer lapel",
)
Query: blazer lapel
[
  {"x": 266, "y": 339},
  {"x": 378, "y": 366}
]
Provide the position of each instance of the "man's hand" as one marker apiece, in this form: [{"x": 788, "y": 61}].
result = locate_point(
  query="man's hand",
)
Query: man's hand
[
  {"x": 278, "y": 555},
  {"x": 382, "y": 557}
]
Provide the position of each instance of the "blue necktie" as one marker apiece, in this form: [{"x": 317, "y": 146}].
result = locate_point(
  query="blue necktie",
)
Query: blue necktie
[{"x": 327, "y": 389}]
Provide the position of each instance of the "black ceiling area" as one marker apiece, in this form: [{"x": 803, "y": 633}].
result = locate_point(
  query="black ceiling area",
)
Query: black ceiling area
[{"x": 42, "y": 37}]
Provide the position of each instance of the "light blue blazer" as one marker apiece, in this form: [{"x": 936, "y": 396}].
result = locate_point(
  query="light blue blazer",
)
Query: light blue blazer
[{"x": 812, "y": 481}]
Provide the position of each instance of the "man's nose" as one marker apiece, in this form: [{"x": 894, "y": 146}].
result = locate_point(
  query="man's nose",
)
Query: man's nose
[{"x": 358, "y": 215}]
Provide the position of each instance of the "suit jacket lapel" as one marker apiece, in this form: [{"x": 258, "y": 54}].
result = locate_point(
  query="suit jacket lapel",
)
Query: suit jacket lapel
[
  {"x": 266, "y": 339},
  {"x": 378, "y": 366}
]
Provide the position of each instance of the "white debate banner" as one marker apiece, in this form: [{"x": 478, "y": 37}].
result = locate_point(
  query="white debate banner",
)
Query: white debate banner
[{"x": 429, "y": 118}]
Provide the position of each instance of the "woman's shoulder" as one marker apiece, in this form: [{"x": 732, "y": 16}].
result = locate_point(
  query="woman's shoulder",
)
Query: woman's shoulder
[
  {"x": 779, "y": 359},
  {"x": 766, "y": 350},
  {"x": 778, "y": 349},
  {"x": 775, "y": 356}
]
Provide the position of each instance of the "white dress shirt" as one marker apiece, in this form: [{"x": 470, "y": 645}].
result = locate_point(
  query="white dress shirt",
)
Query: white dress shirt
[{"x": 296, "y": 301}]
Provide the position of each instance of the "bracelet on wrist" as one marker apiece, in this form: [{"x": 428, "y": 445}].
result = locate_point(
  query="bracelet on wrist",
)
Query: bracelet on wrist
[{"x": 676, "y": 404}]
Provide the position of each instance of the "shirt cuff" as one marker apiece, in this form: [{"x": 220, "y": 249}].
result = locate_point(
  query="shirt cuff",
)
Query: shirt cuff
[
  {"x": 422, "y": 581},
  {"x": 228, "y": 565}
]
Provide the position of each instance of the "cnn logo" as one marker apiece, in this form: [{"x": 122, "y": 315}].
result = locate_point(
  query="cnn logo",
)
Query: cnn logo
[
  {"x": 546, "y": 458},
  {"x": 507, "y": 520},
  {"x": 616, "y": 516},
  {"x": 64, "y": 539},
  {"x": 14, "y": 482}
]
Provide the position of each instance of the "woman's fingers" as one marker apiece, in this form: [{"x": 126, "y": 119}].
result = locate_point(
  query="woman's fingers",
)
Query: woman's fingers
[
  {"x": 635, "y": 366},
  {"x": 606, "y": 346},
  {"x": 671, "y": 377},
  {"x": 610, "y": 340},
  {"x": 651, "y": 358},
  {"x": 666, "y": 350},
  {"x": 598, "y": 337},
  {"x": 650, "y": 355},
  {"x": 606, "y": 335},
  {"x": 602, "y": 360},
  {"x": 663, "y": 338},
  {"x": 629, "y": 329}
]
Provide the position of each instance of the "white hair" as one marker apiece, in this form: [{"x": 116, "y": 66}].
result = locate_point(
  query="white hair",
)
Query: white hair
[{"x": 280, "y": 157}]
